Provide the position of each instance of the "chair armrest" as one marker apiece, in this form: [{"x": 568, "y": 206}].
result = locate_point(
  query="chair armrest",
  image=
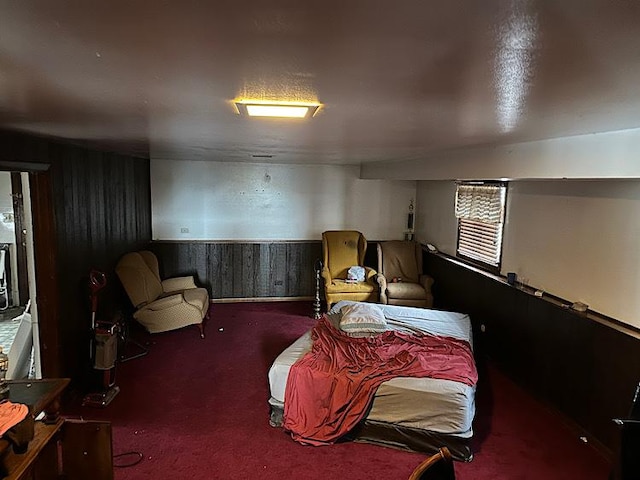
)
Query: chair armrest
[
  {"x": 164, "y": 302},
  {"x": 382, "y": 288},
  {"x": 426, "y": 281},
  {"x": 382, "y": 281},
  {"x": 177, "y": 283},
  {"x": 370, "y": 274},
  {"x": 326, "y": 274}
]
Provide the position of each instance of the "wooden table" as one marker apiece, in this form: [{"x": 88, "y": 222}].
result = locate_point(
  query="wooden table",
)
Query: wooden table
[{"x": 40, "y": 396}]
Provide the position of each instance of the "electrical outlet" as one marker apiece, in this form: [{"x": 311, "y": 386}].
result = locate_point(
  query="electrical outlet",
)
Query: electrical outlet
[
  {"x": 278, "y": 282},
  {"x": 184, "y": 230}
]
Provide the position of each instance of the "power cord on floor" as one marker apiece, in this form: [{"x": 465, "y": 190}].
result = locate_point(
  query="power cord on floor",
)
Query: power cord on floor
[{"x": 138, "y": 458}]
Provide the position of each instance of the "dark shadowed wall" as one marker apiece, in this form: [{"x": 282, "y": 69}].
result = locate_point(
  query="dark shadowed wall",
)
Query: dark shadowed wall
[
  {"x": 89, "y": 208},
  {"x": 582, "y": 364},
  {"x": 102, "y": 210}
]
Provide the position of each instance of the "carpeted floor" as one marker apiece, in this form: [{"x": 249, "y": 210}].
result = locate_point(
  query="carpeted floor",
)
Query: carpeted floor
[{"x": 197, "y": 409}]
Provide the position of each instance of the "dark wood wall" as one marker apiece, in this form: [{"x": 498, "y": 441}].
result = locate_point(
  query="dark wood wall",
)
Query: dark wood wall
[
  {"x": 585, "y": 369},
  {"x": 102, "y": 209},
  {"x": 248, "y": 269},
  {"x": 243, "y": 270},
  {"x": 89, "y": 208}
]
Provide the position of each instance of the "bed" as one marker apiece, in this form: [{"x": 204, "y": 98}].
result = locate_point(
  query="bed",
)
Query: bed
[{"x": 417, "y": 414}]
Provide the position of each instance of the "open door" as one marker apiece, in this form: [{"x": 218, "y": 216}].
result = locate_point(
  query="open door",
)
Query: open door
[{"x": 19, "y": 331}]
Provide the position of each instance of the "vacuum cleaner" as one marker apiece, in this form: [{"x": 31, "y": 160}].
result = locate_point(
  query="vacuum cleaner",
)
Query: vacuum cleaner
[{"x": 103, "y": 349}]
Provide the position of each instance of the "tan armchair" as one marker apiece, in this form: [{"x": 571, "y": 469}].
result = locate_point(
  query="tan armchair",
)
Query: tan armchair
[
  {"x": 400, "y": 275},
  {"x": 161, "y": 305},
  {"x": 342, "y": 249}
]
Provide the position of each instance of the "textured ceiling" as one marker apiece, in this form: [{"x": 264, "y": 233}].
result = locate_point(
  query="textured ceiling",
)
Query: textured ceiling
[{"x": 397, "y": 80}]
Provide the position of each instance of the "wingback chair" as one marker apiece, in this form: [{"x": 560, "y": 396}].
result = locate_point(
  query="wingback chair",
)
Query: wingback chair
[
  {"x": 342, "y": 249},
  {"x": 161, "y": 305},
  {"x": 400, "y": 275}
]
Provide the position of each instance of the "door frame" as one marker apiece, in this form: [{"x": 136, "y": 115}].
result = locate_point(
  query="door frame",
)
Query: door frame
[
  {"x": 20, "y": 238},
  {"x": 45, "y": 251}
]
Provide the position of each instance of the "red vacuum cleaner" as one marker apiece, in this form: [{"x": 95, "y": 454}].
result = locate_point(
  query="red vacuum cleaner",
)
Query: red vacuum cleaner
[{"x": 103, "y": 347}]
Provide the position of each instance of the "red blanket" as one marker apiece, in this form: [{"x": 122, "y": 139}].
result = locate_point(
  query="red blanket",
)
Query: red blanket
[{"x": 329, "y": 389}]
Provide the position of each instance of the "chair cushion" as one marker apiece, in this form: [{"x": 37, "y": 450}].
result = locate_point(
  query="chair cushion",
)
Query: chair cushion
[
  {"x": 339, "y": 286},
  {"x": 406, "y": 290}
]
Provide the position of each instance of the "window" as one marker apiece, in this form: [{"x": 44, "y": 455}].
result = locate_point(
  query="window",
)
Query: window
[{"x": 480, "y": 213}]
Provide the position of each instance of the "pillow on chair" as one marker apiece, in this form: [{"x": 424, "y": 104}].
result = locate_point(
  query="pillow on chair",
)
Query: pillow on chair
[{"x": 362, "y": 320}]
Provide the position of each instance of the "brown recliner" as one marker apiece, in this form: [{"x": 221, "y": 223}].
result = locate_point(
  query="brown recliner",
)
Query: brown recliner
[
  {"x": 400, "y": 275},
  {"x": 161, "y": 305}
]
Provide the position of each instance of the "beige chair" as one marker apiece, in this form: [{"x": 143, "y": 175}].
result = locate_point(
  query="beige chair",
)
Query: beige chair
[
  {"x": 161, "y": 305},
  {"x": 342, "y": 249},
  {"x": 400, "y": 275}
]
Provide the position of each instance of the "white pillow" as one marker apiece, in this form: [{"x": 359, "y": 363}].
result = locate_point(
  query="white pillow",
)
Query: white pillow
[
  {"x": 356, "y": 273},
  {"x": 362, "y": 319}
]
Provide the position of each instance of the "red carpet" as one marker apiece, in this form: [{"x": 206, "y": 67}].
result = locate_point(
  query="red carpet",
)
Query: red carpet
[{"x": 197, "y": 409}]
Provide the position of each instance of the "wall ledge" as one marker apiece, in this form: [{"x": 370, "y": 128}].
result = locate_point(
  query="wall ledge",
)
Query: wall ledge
[{"x": 548, "y": 297}]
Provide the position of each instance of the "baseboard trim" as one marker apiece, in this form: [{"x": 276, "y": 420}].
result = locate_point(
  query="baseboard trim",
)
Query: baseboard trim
[{"x": 261, "y": 299}]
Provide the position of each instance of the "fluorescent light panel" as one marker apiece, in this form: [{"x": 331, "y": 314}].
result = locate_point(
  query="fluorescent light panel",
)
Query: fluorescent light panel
[
  {"x": 282, "y": 110},
  {"x": 276, "y": 111}
]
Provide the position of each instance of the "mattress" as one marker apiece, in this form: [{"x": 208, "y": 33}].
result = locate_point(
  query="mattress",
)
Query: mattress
[{"x": 441, "y": 407}]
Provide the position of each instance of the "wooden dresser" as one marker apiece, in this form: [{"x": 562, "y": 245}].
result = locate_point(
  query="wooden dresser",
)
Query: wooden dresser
[{"x": 70, "y": 449}]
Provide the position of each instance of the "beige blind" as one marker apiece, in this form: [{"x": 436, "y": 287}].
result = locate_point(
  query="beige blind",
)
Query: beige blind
[
  {"x": 480, "y": 212},
  {"x": 484, "y": 203}
]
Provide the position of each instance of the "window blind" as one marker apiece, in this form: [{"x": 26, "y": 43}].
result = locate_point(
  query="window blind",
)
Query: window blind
[{"x": 480, "y": 213}]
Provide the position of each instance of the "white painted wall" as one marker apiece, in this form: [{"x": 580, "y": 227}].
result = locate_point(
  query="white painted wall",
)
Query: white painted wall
[
  {"x": 242, "y": 201},
  {"x": 435, "y": 216},
  {"x": 602, "y": 155},
  {"x": 575, "y": 239}
]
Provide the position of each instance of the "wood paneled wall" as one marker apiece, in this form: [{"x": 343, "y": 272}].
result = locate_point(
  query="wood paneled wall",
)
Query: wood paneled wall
[
  {"x": 89, "y": 208},
  {"x": 243, "y": 270},
  {"x": 102, "y": 210},
  {"x": 280, "y": 269},
  {"x": 585, "y": 369}
]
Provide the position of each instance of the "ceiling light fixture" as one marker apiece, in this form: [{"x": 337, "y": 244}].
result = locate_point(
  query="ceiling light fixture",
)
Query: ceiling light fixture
[{"x": 253, "y": 108}]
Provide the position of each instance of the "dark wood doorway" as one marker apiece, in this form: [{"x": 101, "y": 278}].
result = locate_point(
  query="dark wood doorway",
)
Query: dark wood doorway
[
  {"x": 45, "y": 258},
  {"x": 21, "y": 237}
]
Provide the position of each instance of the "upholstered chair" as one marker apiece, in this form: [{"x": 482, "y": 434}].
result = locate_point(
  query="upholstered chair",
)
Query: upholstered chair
[
  {"x": 438, "y": 466},
  {"x": 341, "y": 250},
  {"x": 161, "y": 305},
  {"x": 400, "y": 275}
]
